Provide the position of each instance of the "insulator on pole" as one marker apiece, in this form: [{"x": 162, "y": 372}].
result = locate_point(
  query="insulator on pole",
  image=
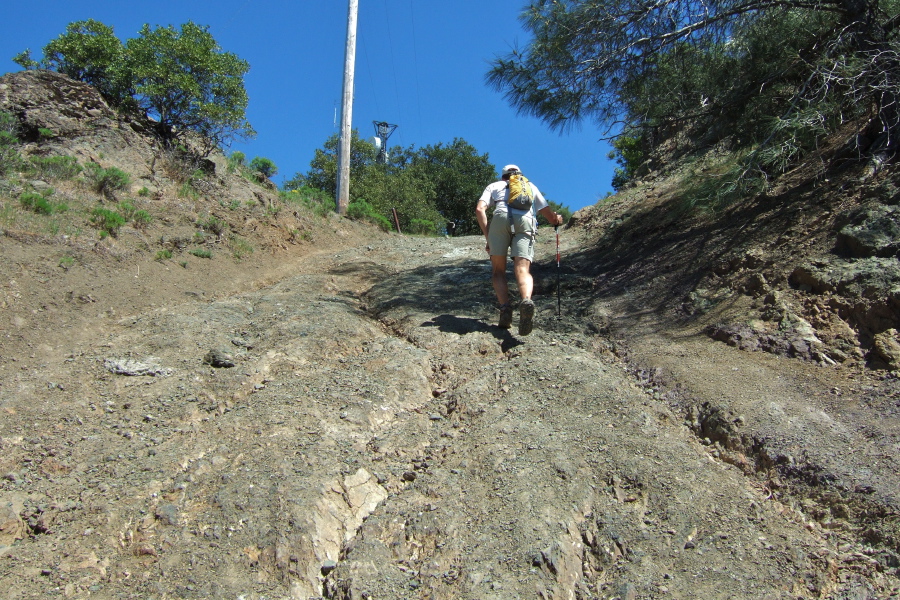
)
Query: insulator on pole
[{"x": 383, "y": 131}]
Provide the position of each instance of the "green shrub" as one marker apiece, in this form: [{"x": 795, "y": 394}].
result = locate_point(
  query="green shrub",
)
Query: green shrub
[
  {"x": 361, "y": 210},
  {"x": 107, "y": 181},
  {"x": 56, "y": 167},
  {"x": 40, "y": 203},
  {"x": 317, "y": 201},
  {"x": 127, "y": 209},
  {"x": 7, "y": 140},
  {"x": 239, "y": 247},
  {"x": 36, "y": 203},
  {"x": 9, "y": 127},
  {"x": 722, "y": 186},
  {"x": 187, "y": 191},
  {"x": 107, "y": 221},
  {"x": 213, "y": 225},
  {"x": 24, "y": 60},
  {"x": 296, "y": 235},
  {"x": 164, "y": 254},
  {"x": 45, "y": 133},
  {"x": 10, "y": 159},
  {"x": 143, "y": 192},
  {"x": 141, "y": 219},
  {"x": 629, "y": 154},
  {"x": 9, "y": 153},
  {"x": 422, "y": 227},
  {"x": 263, "y": 166},
  {"x": 201, "y": 253},
  {"x": 66, "y": 262},
  {"x": 235, "y": 162}
]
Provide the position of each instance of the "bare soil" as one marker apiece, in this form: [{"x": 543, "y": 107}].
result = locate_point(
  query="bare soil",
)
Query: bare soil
[
  {"x": 336, "y": 415},
  {"x": 379, "y": 437}
]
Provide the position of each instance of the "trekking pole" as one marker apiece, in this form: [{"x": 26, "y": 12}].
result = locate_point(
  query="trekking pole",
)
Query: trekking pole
[{"x": 558, "y": 301}]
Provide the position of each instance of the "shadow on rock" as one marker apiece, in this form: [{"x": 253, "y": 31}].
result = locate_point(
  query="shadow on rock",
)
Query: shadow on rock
[
  {"x": 434, "y": 289},
  {"x": 457, "y": 325},
  {"x": 466, "y": 325}
]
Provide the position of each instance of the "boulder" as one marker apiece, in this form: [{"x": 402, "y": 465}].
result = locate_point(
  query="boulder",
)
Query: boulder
[
  {"x": 80, "y": 122},
  {"x": 886, "y": 347},
  {"x": 878, "y": 234},
  {"x": 872, "y": 278}
]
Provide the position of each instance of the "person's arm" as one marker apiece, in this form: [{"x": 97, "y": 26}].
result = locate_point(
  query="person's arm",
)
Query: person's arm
[
  {"x": 481, "y": 217},
  {"x": 553, "y": 218}
]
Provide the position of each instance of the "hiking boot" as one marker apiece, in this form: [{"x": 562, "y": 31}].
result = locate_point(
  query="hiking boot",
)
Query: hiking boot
[
  {"x": 526, "y": 317},
  {"x": 505, "y": 316}
]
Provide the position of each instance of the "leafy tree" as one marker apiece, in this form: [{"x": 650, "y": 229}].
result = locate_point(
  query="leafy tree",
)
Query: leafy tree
[
  {"x": 184, "y": 81},
  {"x": 322, "y": 174},
  {"x": 459, "y": 175},
  {"x": 88, "y": 51},
  {"x": 24, "y": 60},
  {"x": 179, "y": 78},
  {"x": 264, "y": 166},
  {"x": 387, "y": 189},
  {"x": 384, "y": 187},
  {"x": 428, "y": 187},
  {"x": 629, "y": 154},
  {"x": 662, "y": 64}
]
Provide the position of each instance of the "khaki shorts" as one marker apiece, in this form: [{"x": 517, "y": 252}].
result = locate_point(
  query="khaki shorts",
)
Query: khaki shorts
[{"x": 519, "y": 236}]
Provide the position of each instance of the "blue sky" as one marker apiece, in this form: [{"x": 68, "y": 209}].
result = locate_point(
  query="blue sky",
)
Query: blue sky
[{"x": 420, "y": 64}]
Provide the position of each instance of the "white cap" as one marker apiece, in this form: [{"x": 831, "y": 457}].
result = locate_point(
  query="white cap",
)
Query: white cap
[{"x": 510, "y": 169}]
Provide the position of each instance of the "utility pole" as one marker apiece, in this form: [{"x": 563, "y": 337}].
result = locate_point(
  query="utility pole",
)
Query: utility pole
[
  {"x": 383, "y": 130},
  {"x": 343, "y": 178}
]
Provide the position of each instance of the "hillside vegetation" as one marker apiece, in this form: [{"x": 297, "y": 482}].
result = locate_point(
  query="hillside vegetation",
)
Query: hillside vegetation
[
  {"x": 190, "y": 93},
  {"x": 772, "y": 82},
  {"x": 213, "y": 389}
]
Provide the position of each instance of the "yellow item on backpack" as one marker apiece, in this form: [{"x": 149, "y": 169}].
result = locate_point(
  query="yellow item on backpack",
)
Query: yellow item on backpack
[{"x": 521, "y": 194}]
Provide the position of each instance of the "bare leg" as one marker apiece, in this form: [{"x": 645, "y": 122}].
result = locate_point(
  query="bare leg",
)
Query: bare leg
[
  {"x": 522, "y": 270},
  {"x": 498, "y": 278}
]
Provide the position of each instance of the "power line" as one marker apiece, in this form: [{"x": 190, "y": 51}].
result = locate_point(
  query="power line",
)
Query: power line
[
  {"x": 393, "y": 63},
  {"x": 234, "y": 17},
  {"x": 412, "y": 18},
  {"x": 369, "y": 70}
]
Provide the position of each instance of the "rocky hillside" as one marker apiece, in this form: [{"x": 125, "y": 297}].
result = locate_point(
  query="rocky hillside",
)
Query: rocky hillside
[{"x": 242, "y": 397}]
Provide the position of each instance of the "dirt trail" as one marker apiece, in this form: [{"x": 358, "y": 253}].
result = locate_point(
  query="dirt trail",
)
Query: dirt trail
[{"x": 378, "y": 437}]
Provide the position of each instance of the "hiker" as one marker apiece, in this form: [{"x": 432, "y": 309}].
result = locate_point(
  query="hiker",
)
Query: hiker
[{"x": 512, "y": 228}]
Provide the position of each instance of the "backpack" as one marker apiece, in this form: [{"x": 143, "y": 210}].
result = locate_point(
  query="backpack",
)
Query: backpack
[{"x": 521, "y": 195}]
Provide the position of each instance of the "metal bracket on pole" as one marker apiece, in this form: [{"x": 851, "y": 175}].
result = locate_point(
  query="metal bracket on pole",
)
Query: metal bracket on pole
[{"x": 383, "y": 130}]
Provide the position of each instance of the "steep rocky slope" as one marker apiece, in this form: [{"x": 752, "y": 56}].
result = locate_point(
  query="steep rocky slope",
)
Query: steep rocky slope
[{"x": 334, "y": 414}]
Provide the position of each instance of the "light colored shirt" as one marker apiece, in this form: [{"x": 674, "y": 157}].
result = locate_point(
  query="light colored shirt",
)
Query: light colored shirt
[{"x": 495, "y": 195}]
